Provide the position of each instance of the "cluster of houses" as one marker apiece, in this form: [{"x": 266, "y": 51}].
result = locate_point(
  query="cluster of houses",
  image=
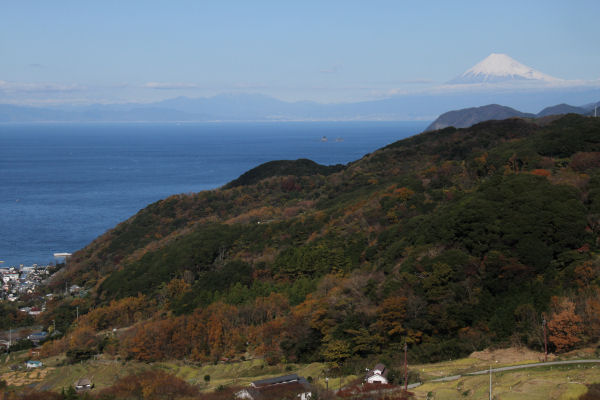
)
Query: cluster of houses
[
  {"x": 297, "y": 386},
  {"x": 17, "y": 281},
  {"x": 9, "y": 339}
]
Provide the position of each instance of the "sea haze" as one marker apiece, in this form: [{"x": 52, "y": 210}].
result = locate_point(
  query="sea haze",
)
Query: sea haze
[{"x": 63, "y": 185}]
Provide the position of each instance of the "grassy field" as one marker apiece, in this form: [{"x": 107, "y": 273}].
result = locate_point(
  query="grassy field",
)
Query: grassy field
[
  {"x": 54, "y": 375},
  {"x": 564, "y": 382},
  {"x": 558, "y": 382},
  {"x": 242, "y": 373}
]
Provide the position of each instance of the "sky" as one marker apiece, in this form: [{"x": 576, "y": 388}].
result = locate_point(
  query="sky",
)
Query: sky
[{"x": 82, "y": 52}]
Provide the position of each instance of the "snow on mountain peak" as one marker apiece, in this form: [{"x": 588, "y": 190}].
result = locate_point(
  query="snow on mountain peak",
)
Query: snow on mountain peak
[{"x": 500, "y": 68}]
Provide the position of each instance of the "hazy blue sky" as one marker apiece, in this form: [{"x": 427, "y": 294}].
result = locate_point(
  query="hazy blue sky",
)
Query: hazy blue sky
[{"x": 115, "y": 51}]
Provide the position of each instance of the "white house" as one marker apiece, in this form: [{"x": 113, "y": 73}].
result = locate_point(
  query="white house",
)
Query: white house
[{"x": 378, "y": 375}]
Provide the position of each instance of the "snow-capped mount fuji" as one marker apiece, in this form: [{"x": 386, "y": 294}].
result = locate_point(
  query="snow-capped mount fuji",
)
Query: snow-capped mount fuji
[{"x": 501, "y": 68}]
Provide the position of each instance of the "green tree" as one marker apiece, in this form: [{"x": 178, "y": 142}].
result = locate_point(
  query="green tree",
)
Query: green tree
[{"x": 336, "y": 351}]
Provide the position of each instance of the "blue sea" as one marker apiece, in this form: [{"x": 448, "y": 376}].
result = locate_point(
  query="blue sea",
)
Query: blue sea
[{"x": 62, "y": 185}]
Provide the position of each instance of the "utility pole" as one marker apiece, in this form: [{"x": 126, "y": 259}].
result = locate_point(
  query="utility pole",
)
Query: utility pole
[
  {"x": 405, "y": 368},
  {"x": 545, "y": 341},
  {"x": 9, "y": 338},
  {"x": 77, "y": 314},
  {"x": 490, "y": 382}
]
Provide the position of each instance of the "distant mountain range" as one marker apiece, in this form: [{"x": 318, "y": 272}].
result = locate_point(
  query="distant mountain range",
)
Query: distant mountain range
[
  {"x": 467, "y": 117},
  {"x": 497, "y": 79},
  {"x": 263, "y": 108}
]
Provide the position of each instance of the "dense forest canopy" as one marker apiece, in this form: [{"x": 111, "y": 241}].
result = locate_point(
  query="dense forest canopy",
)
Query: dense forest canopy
[{"x": 451, "y": 240}]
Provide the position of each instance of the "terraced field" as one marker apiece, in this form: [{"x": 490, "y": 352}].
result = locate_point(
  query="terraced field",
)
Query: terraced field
[{"x": 546, "y": 382}]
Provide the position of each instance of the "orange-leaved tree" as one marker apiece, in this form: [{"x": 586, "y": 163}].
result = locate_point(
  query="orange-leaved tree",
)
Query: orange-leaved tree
[{"x": 564, "y": 327}]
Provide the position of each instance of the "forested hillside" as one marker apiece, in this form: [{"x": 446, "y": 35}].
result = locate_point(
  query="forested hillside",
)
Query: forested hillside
[{"x": 451, "y": 240}]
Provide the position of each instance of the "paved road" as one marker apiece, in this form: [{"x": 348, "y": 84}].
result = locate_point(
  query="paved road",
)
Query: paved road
[
  {"x": 543, "y": 364},
  {"x": 446, "y": 378},
  {"x": 523, "y": 366}
]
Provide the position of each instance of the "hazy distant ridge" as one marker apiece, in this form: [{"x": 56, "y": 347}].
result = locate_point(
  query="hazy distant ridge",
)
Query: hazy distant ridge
[
  {"x": 467, "y": 117},
  {"x": 254, "y": 107}
]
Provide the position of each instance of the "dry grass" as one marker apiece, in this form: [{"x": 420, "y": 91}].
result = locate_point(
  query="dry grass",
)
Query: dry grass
[
  {"x": 510, "y": 356},
  {"x": 26, "y": 377},
  {"x": 544, "y": 383},
  {"x": 481, "y": 360},
  {"x": 242, "y": 373}
]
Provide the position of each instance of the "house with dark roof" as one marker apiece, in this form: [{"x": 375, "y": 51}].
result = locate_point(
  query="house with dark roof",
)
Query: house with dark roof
[
  {"x": 274, "y": 388},
  {"x": 83, "y": 385},
  {"x": 278, "y": 380},
  {"x": 37, "y": 337},
  {"x": 377, "y": 375}
]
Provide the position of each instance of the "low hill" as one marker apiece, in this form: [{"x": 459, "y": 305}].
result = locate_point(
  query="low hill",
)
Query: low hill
[
  {"x": 471, "y": 116},
  {"x": 451, "y": 240},
  {"x": 562, "y": 109},
  {"x": 300, "y": 167}
]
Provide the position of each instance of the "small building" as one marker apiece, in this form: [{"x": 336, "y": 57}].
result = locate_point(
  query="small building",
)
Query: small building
[
  {"x": 38, "y": 337},
  {"x": 378, "y": 375},
  {"x": 33, "y": 364},
  {"x": 74, "y": 289},
  {"x": 276, "y": 381},
  {"x": 11, "y": 276},
  {"x": 84, "y": 385},
  {"x": 274, "y": 388}
]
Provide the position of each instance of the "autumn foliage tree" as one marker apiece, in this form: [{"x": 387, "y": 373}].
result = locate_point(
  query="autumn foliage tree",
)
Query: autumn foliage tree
[
  {"x": 564, "y": 326},
  {"x": 119, "y": 313},
  {"x": 391, "y": 316},
  {"x": 207, "y": 334},
  {"x": 150, "y": 385}
]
